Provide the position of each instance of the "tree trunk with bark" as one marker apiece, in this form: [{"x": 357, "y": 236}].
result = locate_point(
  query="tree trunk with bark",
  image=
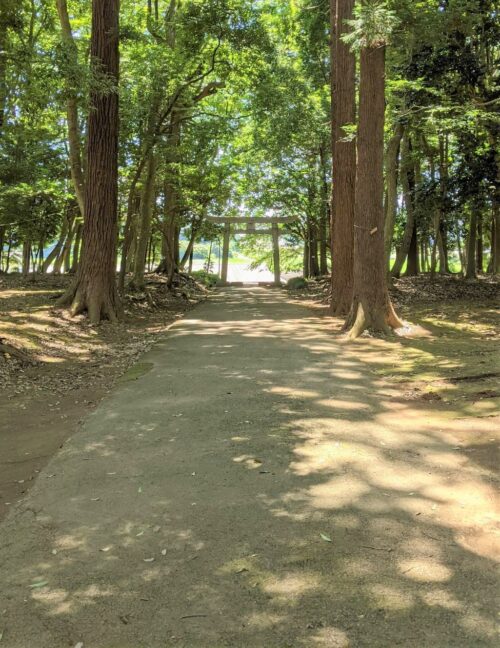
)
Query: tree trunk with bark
[
  {"x": 412, "y": 265},
  {"x": 495, "y": 228},
  {"x": 479, "y": 244},
  {"x": 7, "y": 21},
  {"x": 470, "y": 271},
  {"x": 74, "y": 135},
  {"x": 313, "y": 249},
  {"x": 391, "y": 181},
  {"x": 371, "y": 305},
  {"x": 168, "y": 263},
  {"x": 343, "y": 93},
  {"x": 189, "y": 250},
  {"x": 76, "y": 248},
  {"x": 306, "y": 258},
  {"x": 94, "y": 289},
  {"x": 325, "y": 215},
  {"x": 146, "y": 214},
  {"x": 7, "y": 256},
  {"x": 26, "y": 258},
  {"x": 406, "y": 175},
  {"x": 56, "y": 250},
  {"x": 495, "y": 244},
  {"x": 2, "y": 243},
  {"x": 63, "y": 251}
]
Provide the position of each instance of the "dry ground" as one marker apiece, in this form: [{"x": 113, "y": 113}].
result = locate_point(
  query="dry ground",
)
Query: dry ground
[
  {"x": 72, "y": 367},
  {"x": 254, "y": 481}
]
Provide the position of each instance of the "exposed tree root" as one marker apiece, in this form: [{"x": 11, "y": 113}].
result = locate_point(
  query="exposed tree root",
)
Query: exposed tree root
[
  {"x": 99, "y": 304},
  {"x": 380, "y": 321}
]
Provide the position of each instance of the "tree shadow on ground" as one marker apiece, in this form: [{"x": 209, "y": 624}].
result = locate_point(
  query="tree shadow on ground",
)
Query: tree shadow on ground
[{"x": 286, "y": 493}]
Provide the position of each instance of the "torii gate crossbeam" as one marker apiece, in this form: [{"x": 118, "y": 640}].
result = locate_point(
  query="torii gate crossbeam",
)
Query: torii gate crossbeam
[{"x": 274, "y": 221}]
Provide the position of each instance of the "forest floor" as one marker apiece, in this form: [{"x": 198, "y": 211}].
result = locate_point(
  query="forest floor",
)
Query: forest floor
[
  {"x": 255, "y": 481},
  {"x": 71, "y": 366}
]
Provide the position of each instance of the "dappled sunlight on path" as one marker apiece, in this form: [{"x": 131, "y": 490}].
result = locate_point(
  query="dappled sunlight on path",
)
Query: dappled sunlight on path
[{"x": 263, "y": 484}]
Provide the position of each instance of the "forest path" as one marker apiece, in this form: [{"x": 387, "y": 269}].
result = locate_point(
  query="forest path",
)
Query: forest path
[{"x": 254, "y": 483}]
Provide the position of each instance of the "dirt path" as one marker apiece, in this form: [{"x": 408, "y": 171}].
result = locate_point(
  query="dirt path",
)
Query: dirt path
[{"x": 256, "y": 484}]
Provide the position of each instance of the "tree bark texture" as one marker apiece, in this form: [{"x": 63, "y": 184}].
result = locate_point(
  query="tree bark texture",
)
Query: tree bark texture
[
  {"x": 371, "y": 306},
  {"x": 76, "y": 248},
  {"x": 2, "y": 243},
  {"x": 470, "y": 271},
  {"x": 391, "y": 181},
  {"x": 94, "y": 289},
  {"x": 406, "y": 169},
  {"x": 146, "y": 213},
  {"x": 74, "y": 135},
  {"x": 343, "y": 93}
]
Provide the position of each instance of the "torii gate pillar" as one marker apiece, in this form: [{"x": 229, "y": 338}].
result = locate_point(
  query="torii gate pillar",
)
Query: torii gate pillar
[
  {"x": 276, "y": 254},
  {"x": 225, "y": 254}
]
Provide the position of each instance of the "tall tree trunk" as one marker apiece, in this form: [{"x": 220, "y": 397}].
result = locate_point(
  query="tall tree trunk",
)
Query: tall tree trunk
[
  {"x": 7, "y": 21},
  {"x": 189, "y": 250},
  {"x": 26, "y": 258},
  {"x": 171, "y": 202},
  {"x": 306, "y": 261},
  {"x": 425, "y": 256},
  {"x": 406, "y": 171},
  {"x": 76, "y": 248},
  {"x": 56, "y": 250},
  {"x": 460, "y": 252},
  {"x": 2, "y": 243},
  {"x": 470, "y": 271},
  {"x": 436, "y": 220},
  {"x": 445, "y": 267},
  {"x": 177, "y": 249},
  {"x": 442, "y": 250},
  {"x": 412, "y": 266},
  {"x": 74, "y": 135},
  {"x": 7, "y": 257},
  {"x": 343, "y": 93},
  {"x": 391, "y": 181},
  {"x": 146, "y": 214},
  {"x": 40, "y": 255},
  {"x": 312, "y": 247},
  {"x": 65, "y": 250},
  {"x": 94, "y": 289},
  {"x": 443, "y": 190},
  {"x": 479, "y": 244},
  {"x": 325, "y": 215},
  {"x": 371, "y": 305},
  {"x": 495, "y": 243},
  {"x": 3, "y": 65}
]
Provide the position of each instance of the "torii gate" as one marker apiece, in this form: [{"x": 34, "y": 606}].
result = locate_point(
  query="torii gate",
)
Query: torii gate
[{"x": 250, "y": 223}]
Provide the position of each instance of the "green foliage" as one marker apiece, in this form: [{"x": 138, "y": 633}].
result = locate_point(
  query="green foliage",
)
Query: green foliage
[
  {"x": 208, "y": 279},
  {"x": 296, "y": 283},
  {"x": 372, "y": 25},
  {"x": 247, "y": 86}
]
